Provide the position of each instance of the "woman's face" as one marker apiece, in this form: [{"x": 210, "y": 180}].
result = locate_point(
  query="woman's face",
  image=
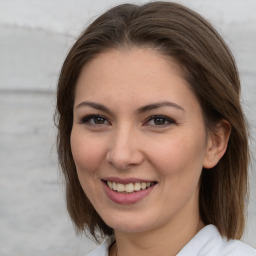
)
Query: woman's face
[{"x": 138, "y": 140}]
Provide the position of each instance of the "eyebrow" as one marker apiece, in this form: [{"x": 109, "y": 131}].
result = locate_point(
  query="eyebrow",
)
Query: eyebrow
[
  {"x": 141, "y": 110},
  {"x": 94, "y": 105},
  {"x": 159, "y": 105}
]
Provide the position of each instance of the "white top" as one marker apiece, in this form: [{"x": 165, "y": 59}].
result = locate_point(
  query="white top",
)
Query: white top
[{"x": 207, "y": 242}]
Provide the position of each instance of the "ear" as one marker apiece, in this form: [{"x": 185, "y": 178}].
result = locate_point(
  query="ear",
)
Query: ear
[{"x": 217, "y": 142}]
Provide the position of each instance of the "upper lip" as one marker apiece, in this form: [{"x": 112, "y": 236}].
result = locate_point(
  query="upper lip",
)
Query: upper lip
[{"x": 126, "y": 180}]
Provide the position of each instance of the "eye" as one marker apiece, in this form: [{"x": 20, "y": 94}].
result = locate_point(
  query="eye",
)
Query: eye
[
  {"x": 160, "y": 121},
  {"x": 94, "y": 120}
]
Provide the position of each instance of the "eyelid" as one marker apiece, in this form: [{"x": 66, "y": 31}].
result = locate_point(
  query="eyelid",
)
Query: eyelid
[
  {"x": 87, "y": 118},
  {"x": 170, "y": 121}
]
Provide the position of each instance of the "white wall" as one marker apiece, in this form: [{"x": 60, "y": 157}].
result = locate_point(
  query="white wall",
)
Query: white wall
[
  {"x": 35, "y": 36},
  {"x": 70, "y": 16}
]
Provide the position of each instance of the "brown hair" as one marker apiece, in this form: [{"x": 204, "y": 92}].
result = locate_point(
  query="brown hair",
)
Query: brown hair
[{"x": 183, "y": 35}]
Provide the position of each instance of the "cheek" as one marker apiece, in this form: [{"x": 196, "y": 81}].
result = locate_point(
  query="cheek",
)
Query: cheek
[
  {"x": 87, "y": 152},
  {"x": 178, "y": 154}
]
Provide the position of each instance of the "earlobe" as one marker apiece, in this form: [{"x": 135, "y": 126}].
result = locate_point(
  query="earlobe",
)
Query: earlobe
[{"x": 217, "y": 143}]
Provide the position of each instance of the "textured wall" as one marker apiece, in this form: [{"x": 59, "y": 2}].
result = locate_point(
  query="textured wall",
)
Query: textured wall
[
  {"x": 68, "y": 17},
  {"x": 34, "y": 38},
  {"x": 35, "y": 35}
]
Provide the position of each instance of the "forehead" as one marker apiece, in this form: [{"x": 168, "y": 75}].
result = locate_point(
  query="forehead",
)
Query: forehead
[
  {"x": 138, "y": 74},
  {"x": 142, "y": 59}
]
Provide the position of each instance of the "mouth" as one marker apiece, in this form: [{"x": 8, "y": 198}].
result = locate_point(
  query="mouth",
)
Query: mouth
[{"x": 128, "y": 188}]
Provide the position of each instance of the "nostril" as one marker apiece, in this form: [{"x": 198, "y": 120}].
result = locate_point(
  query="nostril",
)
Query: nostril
[{"x": 124, "y": 159}]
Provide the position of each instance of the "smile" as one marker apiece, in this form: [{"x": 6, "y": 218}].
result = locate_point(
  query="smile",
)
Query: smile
[
  {"x": 127, "y": 191},
  {"x": 130, "y": 187}
]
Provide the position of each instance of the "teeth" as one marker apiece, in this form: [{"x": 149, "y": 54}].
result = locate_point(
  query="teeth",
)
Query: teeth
[
  {"x": 137, "y": 186},
  {"x": 128, "y": 188},
  {"x": 110, "y": 184},
  {"x": 143, "y": 185},
  {"x": 120, "y": 187}
]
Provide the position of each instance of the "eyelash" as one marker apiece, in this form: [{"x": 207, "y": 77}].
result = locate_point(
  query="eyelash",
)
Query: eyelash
[
  {"x": 163, "y": 118},
  {"x": 167, "y": 121},
  {"x": 87, "y": 119}
]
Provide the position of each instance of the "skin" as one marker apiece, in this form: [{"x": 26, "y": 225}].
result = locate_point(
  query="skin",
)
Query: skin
[{"x": 126, "y": 143}]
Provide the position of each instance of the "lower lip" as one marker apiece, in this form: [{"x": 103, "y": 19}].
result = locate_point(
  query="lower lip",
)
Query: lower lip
[{"x": 129, "y": 198}]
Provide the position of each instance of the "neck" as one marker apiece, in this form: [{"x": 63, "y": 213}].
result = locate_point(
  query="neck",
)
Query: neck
[{"x": 165, "y": 241}]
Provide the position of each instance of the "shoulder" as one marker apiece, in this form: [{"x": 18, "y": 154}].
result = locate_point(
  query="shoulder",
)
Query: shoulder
[
  {"x": 237, "y": 248},
  {"x": 208, "y": 241},
  {"x": 102, "y": 250}
]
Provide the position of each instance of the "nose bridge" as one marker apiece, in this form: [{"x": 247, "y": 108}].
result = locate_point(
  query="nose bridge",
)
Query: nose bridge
[{"x": 124, "y": 148}]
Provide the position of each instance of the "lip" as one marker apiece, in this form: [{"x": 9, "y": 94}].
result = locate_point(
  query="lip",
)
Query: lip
[
  {"x": 125, "y": 181},
  {"x": 129, "y": 198}
]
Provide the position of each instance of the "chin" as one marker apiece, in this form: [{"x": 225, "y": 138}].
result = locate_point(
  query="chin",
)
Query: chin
[
  {"x": 124, "y": 228},
  {"x": 129, "y": 224}
]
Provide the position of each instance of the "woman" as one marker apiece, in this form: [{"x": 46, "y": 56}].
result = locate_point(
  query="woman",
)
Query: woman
[{"x": 152, "y": 139}]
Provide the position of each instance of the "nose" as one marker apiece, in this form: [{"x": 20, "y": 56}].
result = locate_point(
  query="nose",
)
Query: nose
[{"x": 125, "y": 149}]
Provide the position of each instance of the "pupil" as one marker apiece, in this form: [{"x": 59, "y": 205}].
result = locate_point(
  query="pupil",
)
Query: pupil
[
  {"x": 159, "y": 121},
  {"x": 98, "y": 120}
]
